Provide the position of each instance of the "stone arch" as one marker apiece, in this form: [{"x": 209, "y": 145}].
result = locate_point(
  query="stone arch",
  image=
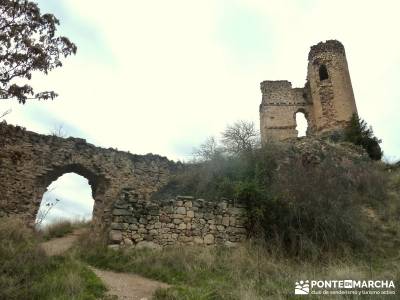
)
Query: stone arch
[
  {"x": 96, "y": 181},
  {"x": 29, "y": 162}
]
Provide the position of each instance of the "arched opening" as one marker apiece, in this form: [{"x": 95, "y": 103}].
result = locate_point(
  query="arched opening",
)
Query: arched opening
[
  {"x": 323, "y": 72},
  {"x": 68, "y": 198},
  {"x": 301, "y": 124}
]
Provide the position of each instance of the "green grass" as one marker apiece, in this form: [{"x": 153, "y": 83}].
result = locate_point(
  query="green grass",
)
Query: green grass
[
  {"x": 60, "y": 229},
  {"x": 27, "y": 273},
  {"x": 251, "y": 271}
]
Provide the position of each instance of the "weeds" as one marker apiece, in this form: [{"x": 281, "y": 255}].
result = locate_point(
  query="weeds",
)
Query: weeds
[
  {"x": 27, "y": 273},
  {"x": 61, "y": 228},
  {"x": 251, "y": 271}
]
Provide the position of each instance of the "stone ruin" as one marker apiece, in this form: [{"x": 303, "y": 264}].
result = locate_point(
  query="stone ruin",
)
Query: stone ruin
[
  {"x": 183, "y": 220},
  {"x": 327, "y": 99},
  {"x": 122, "y": 185}
]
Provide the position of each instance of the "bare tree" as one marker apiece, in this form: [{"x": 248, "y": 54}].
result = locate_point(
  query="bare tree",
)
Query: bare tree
[
  {"x": 45, "y": 209},
  {"x": 59, "y": 131},
  {"x": 241, "y": 136},
  {"x": 5, "y": 113},
  {"x": 208, "y": 150}
]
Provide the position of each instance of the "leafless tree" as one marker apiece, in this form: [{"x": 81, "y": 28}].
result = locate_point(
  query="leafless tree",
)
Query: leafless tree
[
  {"x": 208, "y": 150},
  {"x": 45, "y": 209},
  {"x": 5, "y": 113},
  {"x": 241, "y": 136},
  {"x": 59, "y": 131}
]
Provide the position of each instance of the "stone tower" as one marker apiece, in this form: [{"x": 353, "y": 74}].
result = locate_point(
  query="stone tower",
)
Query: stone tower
[{"x": 327, "y": 99}]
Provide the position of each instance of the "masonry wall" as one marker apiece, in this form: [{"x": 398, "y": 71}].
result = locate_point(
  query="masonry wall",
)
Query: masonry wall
[
  {"x": 333, "y": 98},
  {"x": 280, "y": 103},
  {"x": 29, "y": 162},
  {"x": 328, "y": 104},
  {"x": 183, "y": 220}
]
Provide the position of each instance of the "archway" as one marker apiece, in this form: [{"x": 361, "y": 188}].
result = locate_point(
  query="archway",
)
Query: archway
[
  {"x": 68, "y": 198},
  {"x": 301, "y": 123}
]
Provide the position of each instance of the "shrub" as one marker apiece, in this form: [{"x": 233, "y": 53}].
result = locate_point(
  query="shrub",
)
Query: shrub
[
  {"x": 307, "y": 207},
  {"x": 359, "y": 133},
  {"x": 312, "y": 211},
  {"x": 58, "y": 229}
]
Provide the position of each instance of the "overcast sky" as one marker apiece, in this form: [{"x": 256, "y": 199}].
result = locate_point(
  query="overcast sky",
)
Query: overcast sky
[{"x": 161, "y": 76}]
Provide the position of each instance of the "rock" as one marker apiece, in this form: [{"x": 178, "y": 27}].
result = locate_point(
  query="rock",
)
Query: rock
[
  {"x": 127, "y": 242},
  {"x": 208, "y": 239},
  {"x": 113, "y": 247},
  {"x": 198, "y": 240},
  {"x": 115, "y": 236},
  {"x": 182, "y": 226},
  {"x": 178, "y": 221},
  {"x": 119, "y": 226},
  {"x": 147, "y": 245},
  {"x": 121, "y": 212},
  {"x": 181, "y": 210}
]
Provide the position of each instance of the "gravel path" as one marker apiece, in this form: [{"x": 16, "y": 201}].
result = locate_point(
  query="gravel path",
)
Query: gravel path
[{"x": 125, "y": 286}]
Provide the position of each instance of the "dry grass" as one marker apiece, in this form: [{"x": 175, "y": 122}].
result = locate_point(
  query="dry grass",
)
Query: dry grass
[
  {"x": 61, "y": 228},
  {"x": 251, "y": 271},
  {"x": 27, "y": 273}
]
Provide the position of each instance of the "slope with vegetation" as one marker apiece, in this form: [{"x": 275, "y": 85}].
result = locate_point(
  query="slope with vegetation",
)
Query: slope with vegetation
[{"x": 317, "y": 209}]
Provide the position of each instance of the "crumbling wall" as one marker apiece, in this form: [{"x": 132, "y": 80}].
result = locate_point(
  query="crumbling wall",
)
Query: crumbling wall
[
  {"x": 29, "y": 162},
  {"x": 280, "y": 103},
  {"x": 183, "y": 220},
  {"x": 328, "y": 103}
]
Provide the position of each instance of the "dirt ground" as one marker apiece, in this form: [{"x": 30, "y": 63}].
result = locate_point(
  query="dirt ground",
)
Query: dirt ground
[{"x": 124, "y": 286}]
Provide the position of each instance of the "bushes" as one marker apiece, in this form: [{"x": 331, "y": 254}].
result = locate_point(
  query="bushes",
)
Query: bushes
[
  {"x": 57, "y": 230},
  {"x": 27, "y": 273},
  {"x": 308, "y": 201},
  {"x": 358, "y": 133},
  {"x": 312, "y": 211},
  {"x": 61, "y": 228}
]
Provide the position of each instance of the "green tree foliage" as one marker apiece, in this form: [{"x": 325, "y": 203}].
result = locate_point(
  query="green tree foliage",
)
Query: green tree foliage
[
  {"x": 359, "y": 133},
  {"x": 28, "y": 43}
]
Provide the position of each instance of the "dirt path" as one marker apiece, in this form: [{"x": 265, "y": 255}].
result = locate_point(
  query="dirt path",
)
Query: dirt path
[
  {"x": 128, "y": 286},
  {"x": 123, "y": 285},
  {"x": 58, "y": 246}
]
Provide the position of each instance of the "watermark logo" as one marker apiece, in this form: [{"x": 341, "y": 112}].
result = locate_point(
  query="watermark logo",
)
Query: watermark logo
[
  {"x": 345, "y": 287},
  {"x": 302, "y": 287}
]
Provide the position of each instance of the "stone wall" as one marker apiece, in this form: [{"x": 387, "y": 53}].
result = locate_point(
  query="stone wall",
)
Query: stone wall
[
  {"x": 327, "y": 103},
  {"x": 29, "y": 162},
  {"x": 184, "y": 220},
  {"x": 280, "y": 103}
]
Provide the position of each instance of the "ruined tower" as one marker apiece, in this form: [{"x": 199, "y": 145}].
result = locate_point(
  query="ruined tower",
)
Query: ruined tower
[{"x": 327, "y": 99}]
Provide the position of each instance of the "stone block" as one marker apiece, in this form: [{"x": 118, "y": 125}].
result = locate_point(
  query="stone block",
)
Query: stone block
[
  {"x": 148, "y": 245},
  {"x": 209, "y": 239},
  {"x": 115, "y": 236},
  {"x": 181, "y": 210},
  {"x": 121, "y": 212}
]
